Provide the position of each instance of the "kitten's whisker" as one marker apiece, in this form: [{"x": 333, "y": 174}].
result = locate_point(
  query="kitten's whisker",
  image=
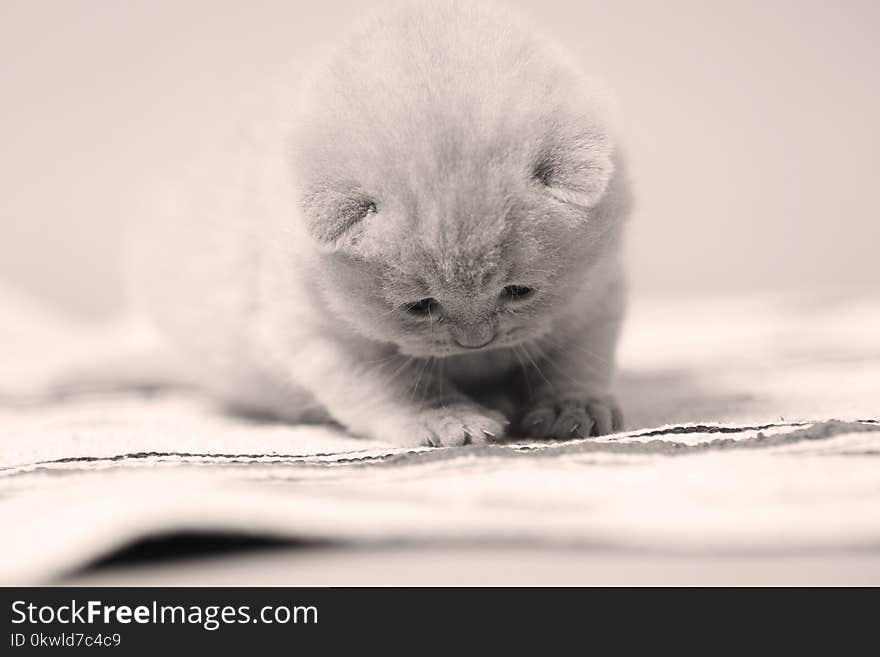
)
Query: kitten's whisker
[
  {"x": 415, "y": 386},
  {"x": 559, "y": 345},
  {"x": 535, "y": 365},
  {"x": 378, "y": 364},
  {"x": 522, "y": 366},
  {"x": 549, "y": 360},
  {"x": 399, "y": 371},
  {"x": 441, "y": 363}
]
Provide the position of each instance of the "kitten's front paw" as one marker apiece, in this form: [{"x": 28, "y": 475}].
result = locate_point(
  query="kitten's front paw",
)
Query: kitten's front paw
[
  {"x": 572, "y": 417},
  {"x": 460, "y": 423}
]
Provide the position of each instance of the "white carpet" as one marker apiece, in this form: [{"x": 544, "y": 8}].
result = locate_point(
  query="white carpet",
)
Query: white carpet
[{"x": 730, "y": 448}]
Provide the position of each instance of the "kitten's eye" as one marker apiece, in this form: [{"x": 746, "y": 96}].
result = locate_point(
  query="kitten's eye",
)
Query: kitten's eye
[
  {"x": 422, "y": 307},
  {"x": 516, "y": 293}
]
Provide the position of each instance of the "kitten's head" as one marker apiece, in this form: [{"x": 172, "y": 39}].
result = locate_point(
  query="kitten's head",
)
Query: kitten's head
[{"x": 454, "y": 171}]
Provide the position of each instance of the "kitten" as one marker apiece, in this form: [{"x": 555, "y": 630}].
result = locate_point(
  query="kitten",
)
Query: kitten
[{"x": 423, "y": 246}]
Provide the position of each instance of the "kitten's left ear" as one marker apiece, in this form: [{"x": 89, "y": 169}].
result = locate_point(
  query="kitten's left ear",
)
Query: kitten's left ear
[
  {"x": 575, "y": 168},
  {"x": 335, "y": 217}
]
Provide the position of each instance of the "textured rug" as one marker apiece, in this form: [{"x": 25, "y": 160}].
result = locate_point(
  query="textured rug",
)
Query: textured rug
[{"x": 754, "y": 427}]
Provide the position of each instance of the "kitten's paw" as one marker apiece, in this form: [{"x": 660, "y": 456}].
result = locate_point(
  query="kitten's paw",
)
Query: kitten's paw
[
  {"x": 461, "y": 423},
  {"x": 572, "y": 417}
]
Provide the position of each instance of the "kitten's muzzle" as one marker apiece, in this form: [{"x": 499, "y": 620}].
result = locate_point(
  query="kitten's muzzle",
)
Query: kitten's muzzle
[{"x": 473, "y": 336}]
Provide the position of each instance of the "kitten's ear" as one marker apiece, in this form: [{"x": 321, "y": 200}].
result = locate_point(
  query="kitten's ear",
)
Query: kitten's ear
[
  {"x": 335, "y": 218},
  {"x": 576, "y": 169}
]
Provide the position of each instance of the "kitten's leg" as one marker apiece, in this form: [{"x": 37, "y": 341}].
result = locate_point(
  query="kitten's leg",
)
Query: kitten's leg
[
  {"x": 569, "y": 381},
  {"x": 391, "y": 397}
]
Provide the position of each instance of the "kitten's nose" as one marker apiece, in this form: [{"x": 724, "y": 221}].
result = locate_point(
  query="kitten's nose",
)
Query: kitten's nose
[{"x": 473, "y": 336}]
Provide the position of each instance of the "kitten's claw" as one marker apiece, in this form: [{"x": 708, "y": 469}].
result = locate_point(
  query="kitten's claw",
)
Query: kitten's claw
[
  {"x": 463, "y": 423},
  {"x": 569, "y": 416}
]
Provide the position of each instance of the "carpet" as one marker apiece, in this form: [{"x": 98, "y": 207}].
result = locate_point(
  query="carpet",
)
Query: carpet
[{"x": 753, "y": 427}]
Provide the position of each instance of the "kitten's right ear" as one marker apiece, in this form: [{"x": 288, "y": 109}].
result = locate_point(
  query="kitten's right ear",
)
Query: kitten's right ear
[
  {"x": 575, "y": 169},
  {"x": 335, "y": 218}
]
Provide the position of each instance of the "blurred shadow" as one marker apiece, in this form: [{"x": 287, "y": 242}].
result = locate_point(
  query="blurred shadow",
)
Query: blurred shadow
[
  {"x": 186, "y": 545},
  {"x": 650, "y": 399}
]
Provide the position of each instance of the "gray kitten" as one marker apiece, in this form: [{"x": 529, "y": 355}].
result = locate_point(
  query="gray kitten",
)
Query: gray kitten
[{"x": 421, "y": 241}]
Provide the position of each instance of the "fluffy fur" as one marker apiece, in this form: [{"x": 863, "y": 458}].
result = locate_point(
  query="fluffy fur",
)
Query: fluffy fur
[{"x": 421, "y": 242}]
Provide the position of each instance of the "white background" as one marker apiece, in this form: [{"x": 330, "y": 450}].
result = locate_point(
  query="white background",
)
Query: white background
[{"x": 753, "y": 127}]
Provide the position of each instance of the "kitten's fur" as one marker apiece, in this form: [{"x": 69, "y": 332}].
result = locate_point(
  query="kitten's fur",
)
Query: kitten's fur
[{"x": 443, "y": 152}]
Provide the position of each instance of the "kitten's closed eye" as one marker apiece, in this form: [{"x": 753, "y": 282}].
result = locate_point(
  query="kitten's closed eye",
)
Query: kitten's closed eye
[
  {"x": 514, "y": 293},
  {"x": 422, "y": 307}
]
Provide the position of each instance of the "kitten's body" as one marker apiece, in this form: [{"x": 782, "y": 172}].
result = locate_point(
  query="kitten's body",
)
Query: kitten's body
[{"x": 443, "y": 156}]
